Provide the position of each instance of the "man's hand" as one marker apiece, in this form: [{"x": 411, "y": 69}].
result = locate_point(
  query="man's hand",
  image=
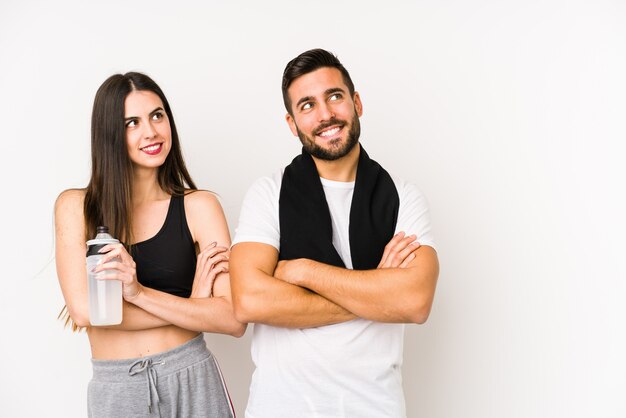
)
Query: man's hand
[
  {"x": 399, "y": 252},
  {"x": 291, "y": 270}
]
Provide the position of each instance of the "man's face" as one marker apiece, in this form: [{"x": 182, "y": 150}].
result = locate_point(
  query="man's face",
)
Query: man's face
[{"x": 325, "y": 117}]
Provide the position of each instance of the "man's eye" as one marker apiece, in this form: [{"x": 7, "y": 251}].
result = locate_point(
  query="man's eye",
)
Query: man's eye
[
  {"x": 307, "y": 106},
  {"x": 335, "y": 96}
]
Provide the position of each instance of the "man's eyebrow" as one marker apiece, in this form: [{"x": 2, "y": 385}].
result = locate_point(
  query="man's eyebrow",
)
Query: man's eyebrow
[
  {"x": 327, "y": 92},
  {"x": 151, "y": 113},
  {"x": 334, "y": 90},
  {"x": 304, "y": 99}
]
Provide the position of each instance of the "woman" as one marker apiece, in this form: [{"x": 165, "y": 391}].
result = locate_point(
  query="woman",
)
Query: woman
[{"x": 173, "y": 262}]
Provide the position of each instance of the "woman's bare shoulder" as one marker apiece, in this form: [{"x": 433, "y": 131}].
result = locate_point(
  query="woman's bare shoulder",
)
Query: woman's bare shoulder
[
  {"x": 201, "y": 200},
  {"x": 206, "y": 218},
  {"x": 70, "y": 201}
]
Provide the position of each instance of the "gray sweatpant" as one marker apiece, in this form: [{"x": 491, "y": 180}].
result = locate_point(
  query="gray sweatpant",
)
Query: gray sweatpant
[{"x": 183, "y": 382}]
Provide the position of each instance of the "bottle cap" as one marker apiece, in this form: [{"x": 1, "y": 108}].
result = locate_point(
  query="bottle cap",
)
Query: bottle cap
[{"x": 102, "y": 238}]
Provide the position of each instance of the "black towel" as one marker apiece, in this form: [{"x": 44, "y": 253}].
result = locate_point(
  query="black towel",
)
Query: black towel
[{"x": 305, "y": 223}]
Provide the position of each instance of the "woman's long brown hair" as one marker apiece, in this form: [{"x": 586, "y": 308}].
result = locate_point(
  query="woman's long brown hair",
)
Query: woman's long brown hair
[{"x": 108, "y": 197}]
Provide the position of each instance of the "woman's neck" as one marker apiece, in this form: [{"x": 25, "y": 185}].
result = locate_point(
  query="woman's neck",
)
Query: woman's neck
[{"x": 146, "y": 187}]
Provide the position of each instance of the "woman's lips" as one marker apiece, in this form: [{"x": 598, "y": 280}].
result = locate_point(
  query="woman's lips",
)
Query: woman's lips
[{"x": 153, "y": 149}]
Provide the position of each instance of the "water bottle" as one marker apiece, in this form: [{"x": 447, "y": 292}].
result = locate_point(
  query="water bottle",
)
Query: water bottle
[{"x": 105, "y": 296}]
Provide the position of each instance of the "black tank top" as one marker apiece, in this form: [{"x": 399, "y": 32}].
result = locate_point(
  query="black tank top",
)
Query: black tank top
[{"x": 167, "y": 261}]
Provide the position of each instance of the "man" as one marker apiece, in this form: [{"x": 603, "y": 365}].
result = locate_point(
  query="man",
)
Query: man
[{"x": 329, "y": 315}]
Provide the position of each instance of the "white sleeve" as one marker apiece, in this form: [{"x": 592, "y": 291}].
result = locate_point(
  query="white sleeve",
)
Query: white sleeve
[
  {"x": 413, "y": 214},
  {"x": 258, "y": 219}
]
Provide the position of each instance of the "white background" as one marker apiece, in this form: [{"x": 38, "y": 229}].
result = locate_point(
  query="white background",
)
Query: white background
[{"x": 510, "y": 116}]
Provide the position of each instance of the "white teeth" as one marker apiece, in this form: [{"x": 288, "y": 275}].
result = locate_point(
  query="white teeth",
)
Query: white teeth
[
  {"x": 330, "y": 132},
  {"x": 151, "y": 148}
]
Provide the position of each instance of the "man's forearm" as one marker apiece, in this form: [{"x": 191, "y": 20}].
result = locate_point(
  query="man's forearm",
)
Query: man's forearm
[
  {"x": 385, "y": 295},
  {"x": 274, "y": 302},
  {"x": 259, "y": 297}
]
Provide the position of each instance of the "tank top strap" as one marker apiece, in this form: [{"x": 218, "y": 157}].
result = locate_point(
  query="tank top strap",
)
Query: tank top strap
[{"x": 177, "y": 220}]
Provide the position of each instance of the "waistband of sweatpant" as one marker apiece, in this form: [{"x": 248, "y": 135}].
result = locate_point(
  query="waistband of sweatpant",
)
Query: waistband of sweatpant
[{"x": 167, "y": 362}]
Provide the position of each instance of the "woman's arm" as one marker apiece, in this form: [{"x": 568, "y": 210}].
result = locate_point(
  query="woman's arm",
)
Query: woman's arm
[
  {"x": 201, "y": 312},
  {"x": 71, "y": 252}
]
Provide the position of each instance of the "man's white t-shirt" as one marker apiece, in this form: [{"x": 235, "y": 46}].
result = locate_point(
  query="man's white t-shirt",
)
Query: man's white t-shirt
[{"x": 346, "y": 370}]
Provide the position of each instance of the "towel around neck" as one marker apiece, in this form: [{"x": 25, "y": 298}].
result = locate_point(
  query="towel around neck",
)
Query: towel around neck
[{"x": 304, "y": 217}]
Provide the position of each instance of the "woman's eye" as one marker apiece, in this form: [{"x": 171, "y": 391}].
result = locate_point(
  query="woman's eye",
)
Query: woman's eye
[
  {"x": 157, "y": 116},
  {"x": 131, "y": 123}
]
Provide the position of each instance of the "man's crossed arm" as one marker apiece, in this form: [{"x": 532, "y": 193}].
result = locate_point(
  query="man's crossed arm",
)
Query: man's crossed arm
[{"x": 304, "y": 293}]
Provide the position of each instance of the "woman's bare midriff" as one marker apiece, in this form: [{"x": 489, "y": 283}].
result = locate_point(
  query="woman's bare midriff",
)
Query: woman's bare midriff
[{"x": 112, "y": 344}]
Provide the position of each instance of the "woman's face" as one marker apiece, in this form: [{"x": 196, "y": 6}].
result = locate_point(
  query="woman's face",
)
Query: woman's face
[{"x": 148, "y": 132}]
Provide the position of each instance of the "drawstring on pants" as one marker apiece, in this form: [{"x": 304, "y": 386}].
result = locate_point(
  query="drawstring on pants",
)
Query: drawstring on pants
[{"x": 151, "y": 378}]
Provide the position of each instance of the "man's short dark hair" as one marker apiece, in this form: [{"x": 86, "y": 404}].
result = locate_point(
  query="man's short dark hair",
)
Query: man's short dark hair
[{"x": 308, "y": 62}]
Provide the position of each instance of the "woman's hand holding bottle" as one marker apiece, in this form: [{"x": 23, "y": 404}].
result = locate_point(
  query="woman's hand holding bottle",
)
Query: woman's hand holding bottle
[{"x": 119, "y": 265}]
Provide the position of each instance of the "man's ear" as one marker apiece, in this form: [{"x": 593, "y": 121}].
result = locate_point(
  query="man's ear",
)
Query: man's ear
[
  {"x": 292, "y": 124},
  {"x": 358, "y": 106}
]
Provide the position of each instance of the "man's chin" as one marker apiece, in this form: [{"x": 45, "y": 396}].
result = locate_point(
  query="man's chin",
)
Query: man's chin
[
  {"x": 329, "y": 154},
  {"x": 329, "y": 150}
]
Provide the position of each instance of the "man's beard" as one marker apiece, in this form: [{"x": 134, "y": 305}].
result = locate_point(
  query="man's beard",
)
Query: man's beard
[{"x": 336, "y": 150}]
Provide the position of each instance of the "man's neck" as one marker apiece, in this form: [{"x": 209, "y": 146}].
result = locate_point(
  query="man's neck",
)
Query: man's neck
[{"x": 342, "y": 169}]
